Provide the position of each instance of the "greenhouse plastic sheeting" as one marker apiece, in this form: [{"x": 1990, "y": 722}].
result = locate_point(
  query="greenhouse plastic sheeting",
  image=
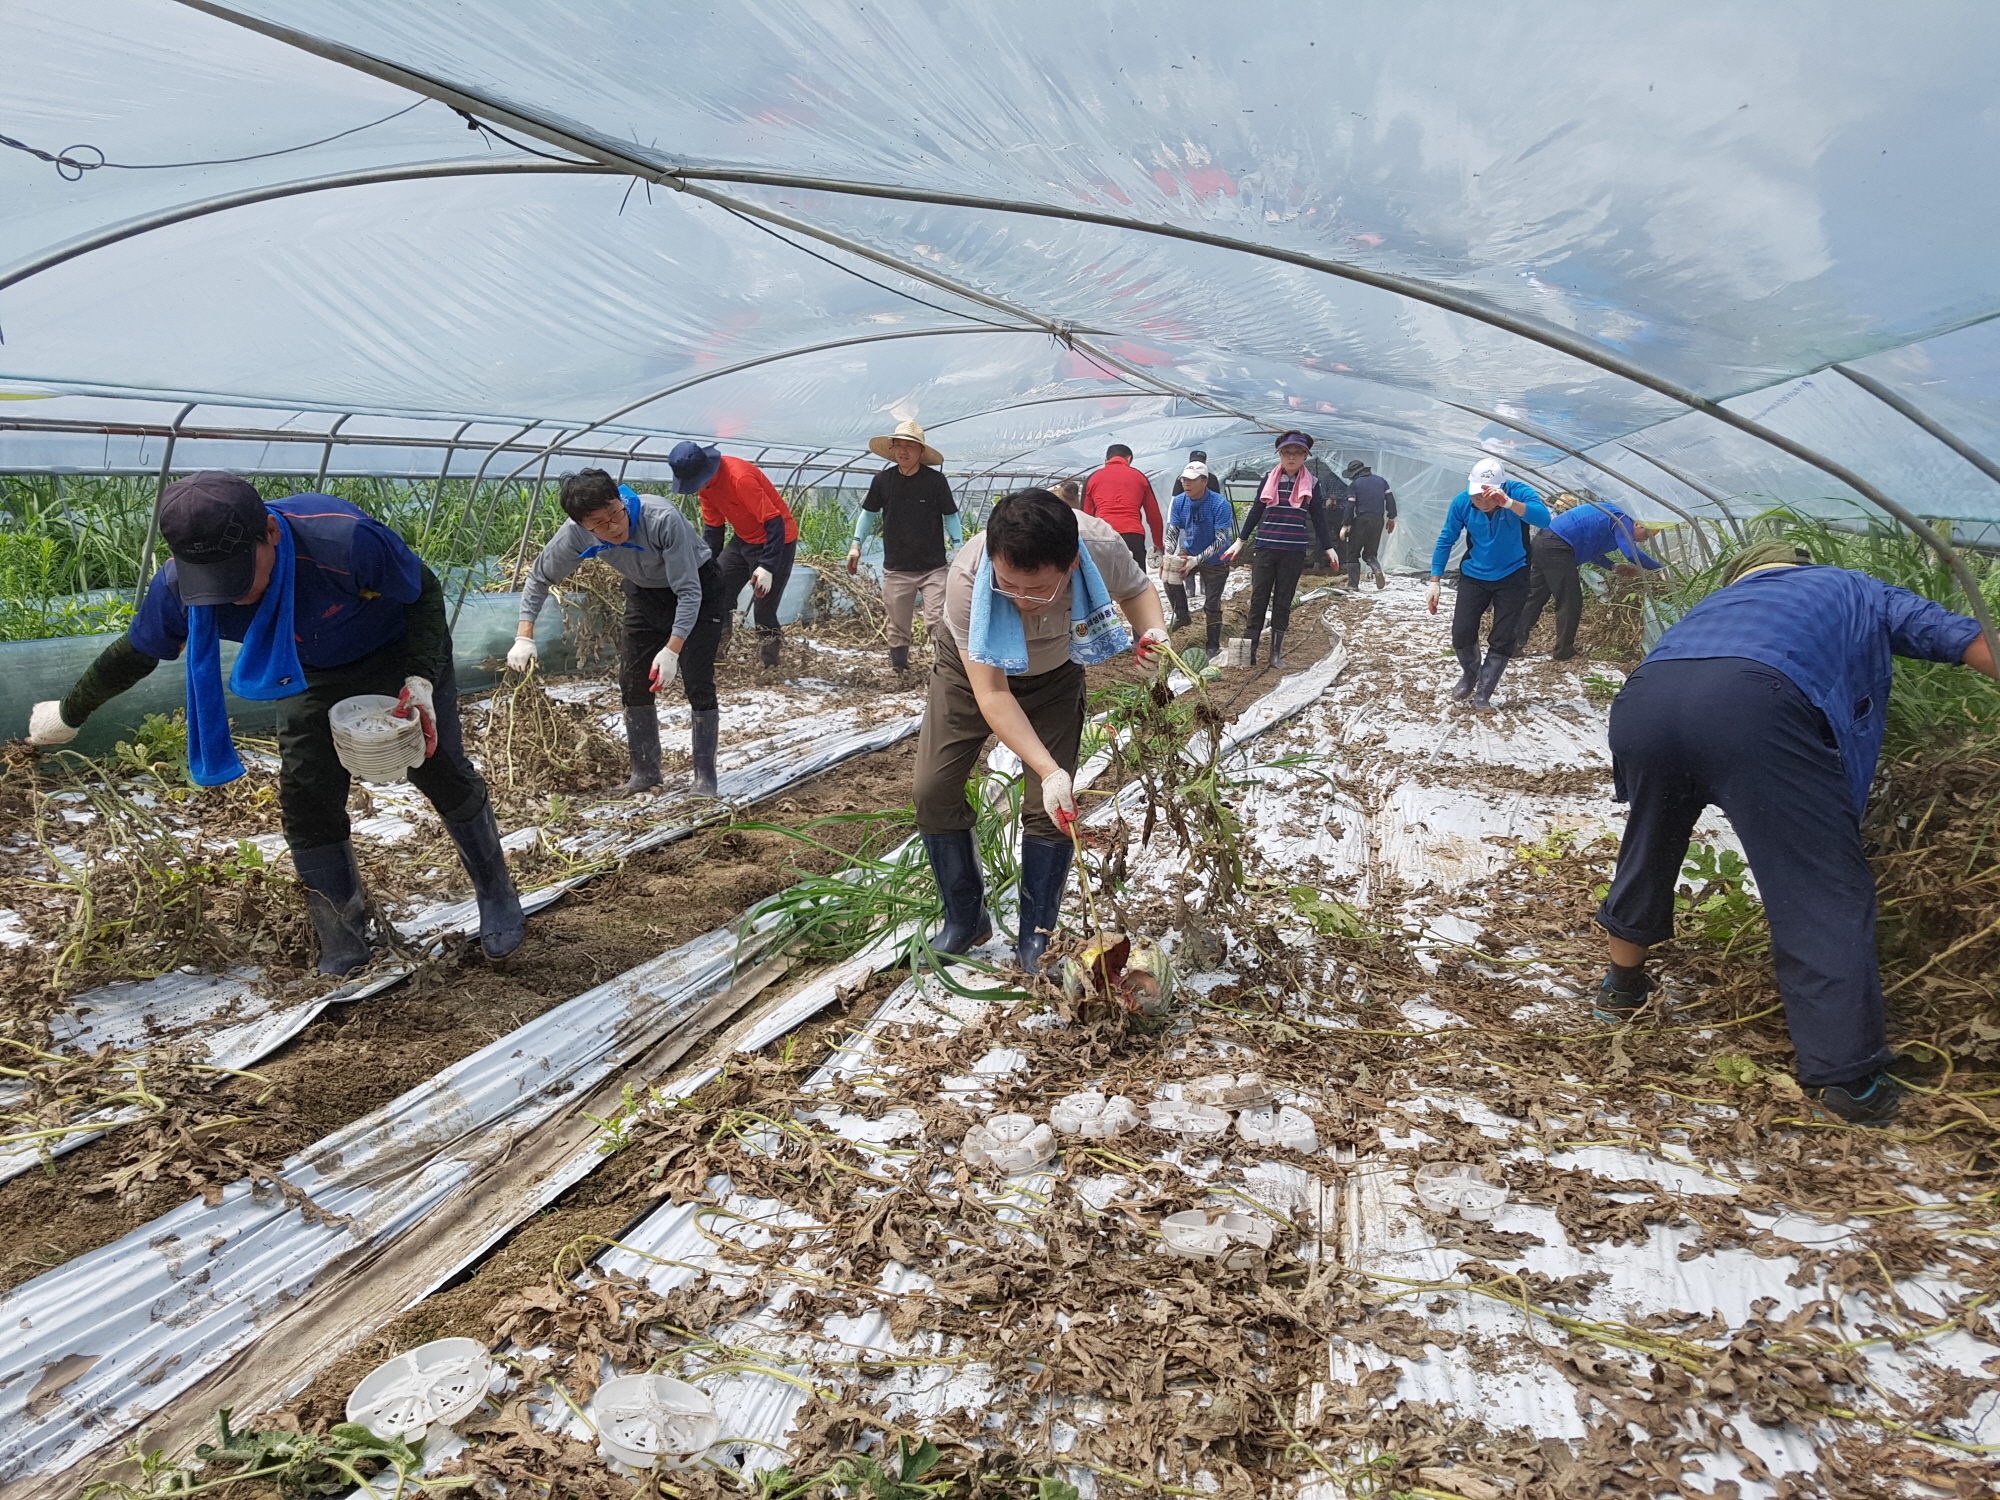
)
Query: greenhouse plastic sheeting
[{"x": 1730, "y": 198}]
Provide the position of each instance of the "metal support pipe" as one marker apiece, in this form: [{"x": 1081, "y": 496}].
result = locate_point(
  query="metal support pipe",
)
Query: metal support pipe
[
  {"x": 326, "y": 453},
  {"x": 444, "y": 472},
  {"x": 1700, "y": 537},
  {"x": 153, "y": 521},
  {"x": 1692, "y": 483},
  {"x": 1937, "y": 430},
  {"x": 528, "y": 526},
  {"x": 114, "y": 234}
]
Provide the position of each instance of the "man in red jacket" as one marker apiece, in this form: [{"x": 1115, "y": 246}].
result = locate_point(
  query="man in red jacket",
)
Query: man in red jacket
[
  {"x": 1119, "y": 495},
  {"x": 736, "y": 495}
]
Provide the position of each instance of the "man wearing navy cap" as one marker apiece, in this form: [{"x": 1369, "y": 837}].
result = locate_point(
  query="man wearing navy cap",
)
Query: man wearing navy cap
[
  {"x": 328, "y": 603},
  {"x": 736, "y": 494}
]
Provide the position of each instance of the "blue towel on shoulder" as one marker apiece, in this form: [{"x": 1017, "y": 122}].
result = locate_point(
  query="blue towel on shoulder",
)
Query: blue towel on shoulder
[
  {"x": 266, "y": 668},
  {"x": 997, "y": 638}
]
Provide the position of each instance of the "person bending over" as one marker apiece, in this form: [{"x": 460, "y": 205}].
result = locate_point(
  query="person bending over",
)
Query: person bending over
[
  {"x": 1287, "y": 520},
  {"x": 1493, "y": 513},
  {"x": 1768, "y": 699},
  {"x": 738, "y": 496},
  {"x": 328, "y": 603},
  {"x": 674, "y": 609},
  {"x": 1199, "y": 529},
  {"x": 912, "y": 500},
  {"x": 1029, "y": 603},
  {"x": 1594, "y": 532}
]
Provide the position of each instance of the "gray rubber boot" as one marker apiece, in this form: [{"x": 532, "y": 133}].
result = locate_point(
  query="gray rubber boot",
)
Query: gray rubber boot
[
  {"x": 899, "y": 659},
  {"x": 1468, "y": 661},
  {"x": 1214, "y": 638},
  {"x": 642, "y": 738},
  {"x": 335, "y": 902},
  {"x": 1277, "y": 648},
  {"x": 707, "y": 726},
  {"x": 501, "y": 924},
  {"x": 1253, "y": 650},
  {"x": 1489, "y": 679},
  {"x": 768, "y": 642}
]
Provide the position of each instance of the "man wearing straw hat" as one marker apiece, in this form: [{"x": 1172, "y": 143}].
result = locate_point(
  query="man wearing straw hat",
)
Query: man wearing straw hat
[
  {"x": 912, "y": 500},
  {"x": 736, "y": 494},
  {"x": 329, "y": 604}
]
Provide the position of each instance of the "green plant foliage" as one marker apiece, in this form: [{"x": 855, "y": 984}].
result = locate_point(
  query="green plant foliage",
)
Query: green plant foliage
[
  {"x": 897, "y": 1476},
  {"x": 1737, "y": 1070},
  {"x": 294, "y": 1464},
  {"x": 1329, "y": 917},
  {"x": 1719, "y": 907}
]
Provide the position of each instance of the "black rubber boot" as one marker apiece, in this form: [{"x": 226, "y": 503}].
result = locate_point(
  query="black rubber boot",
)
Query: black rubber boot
[
  {"x": 955, "y": 865},
  {"x": 768, "y": 642},
  {"x": 1489, "y": 679},
  {"x": 1214, "y": 638},
  {"x": 1381, "y": 579},
  {"x": 1277, "y": 648},
  {"x": 501, "y": 924},
  {"x": 336, "y": 904},
  {"x": 1468, "y": 661},
  {"x": 1253, "y": 650},
  {"x": 642, "y": 738},
  {"x": 707, "y": 726},
  {"x": 1044, "y": 873},
  {"x": 899, "y": 659}
]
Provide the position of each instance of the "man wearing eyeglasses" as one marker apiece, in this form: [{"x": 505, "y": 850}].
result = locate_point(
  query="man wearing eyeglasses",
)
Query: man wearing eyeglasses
[{"x": 1028, "y": 604}]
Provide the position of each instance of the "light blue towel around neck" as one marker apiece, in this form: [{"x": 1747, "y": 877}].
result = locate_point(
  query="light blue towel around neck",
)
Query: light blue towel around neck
[
  {"x": 997, "y": 638},
  {"x": 267, "y": 668}
]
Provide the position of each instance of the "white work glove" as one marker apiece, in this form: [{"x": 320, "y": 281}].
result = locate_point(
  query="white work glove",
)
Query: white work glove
[
  {"x": 666, "y": 666},
  {"x": 416, "y": 698},
  {"x": 853, "y": 559},
  {"x": 522, "y": 655},
  {"x": 1234, "y": 548},
  {"x": 1059, "y": 801},
  {"x": 46, "y": 727},
  {"x": 1433, "y": 594},
  {"x": 761, "y": 582},
  {"x": 1149, "y": 644},
  {"x": 1333, "y": 560}
]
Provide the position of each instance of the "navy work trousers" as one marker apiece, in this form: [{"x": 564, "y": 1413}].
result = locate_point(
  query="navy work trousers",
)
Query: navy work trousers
[{"x": 1738, "y": 734}]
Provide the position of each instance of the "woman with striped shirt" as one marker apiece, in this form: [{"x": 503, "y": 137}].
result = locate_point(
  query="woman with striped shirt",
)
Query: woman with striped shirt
[{"x": 1287, "y": 520}]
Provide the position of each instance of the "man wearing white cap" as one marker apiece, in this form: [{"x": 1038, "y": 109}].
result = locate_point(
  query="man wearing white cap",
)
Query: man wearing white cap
[
  {"x": 912, "y": 500},
  {"x": 1494, "y": 514},
  {"x": 1200, "y": 526}
]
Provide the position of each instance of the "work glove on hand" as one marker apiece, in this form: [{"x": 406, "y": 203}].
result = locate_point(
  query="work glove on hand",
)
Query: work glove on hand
[
  {"x": 1059, "y": 801},
  {"x": 1149, "y": 645},
  {"x": 666, "y": 666},
  {"x": 853, "y": 559},
  {"x": 760, "y": 581},
  {"x": 1333, "y": 559},
  {"x": 1234, "y": 548},
  {"x": 522, "y": 655},
  {"x": 416, "y": 698},
  {"x": 46, "y": 726},
  {"x": 1433, "y": 594}
]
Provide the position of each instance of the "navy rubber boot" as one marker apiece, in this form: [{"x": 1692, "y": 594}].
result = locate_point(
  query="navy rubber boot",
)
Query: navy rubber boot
[
  {"x": 501, "y": 923},
  {"x": 1044, "y": 873},
  {"x": 955, "y": 864},
  {"x": 338, "y": 909}
]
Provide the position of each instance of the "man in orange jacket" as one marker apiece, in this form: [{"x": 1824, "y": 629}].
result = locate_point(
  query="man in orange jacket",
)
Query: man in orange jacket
[
  {"x": 1119, "y": 495},
  {"x": 737, "y": 495}
]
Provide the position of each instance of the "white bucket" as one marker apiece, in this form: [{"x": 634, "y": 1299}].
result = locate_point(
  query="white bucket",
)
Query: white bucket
[
  {"x": 648, "y": 1420},
  {"x": 372, "y": 742},
  {"x": 433, "y": 1385}
]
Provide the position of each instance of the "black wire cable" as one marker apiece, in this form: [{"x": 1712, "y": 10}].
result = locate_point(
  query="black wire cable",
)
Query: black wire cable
[
  {"x": 71, "y": 168},
  {"x": 896, "y": 291},
  {"x": 473, "y": 123}
]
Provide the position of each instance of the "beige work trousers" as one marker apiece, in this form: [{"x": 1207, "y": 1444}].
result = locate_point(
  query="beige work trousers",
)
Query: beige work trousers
[{"x": 899, "y": 595}]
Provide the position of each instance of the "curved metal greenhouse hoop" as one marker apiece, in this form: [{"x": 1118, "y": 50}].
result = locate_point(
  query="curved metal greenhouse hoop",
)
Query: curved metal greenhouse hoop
[
  {"x": 1692, "y": 483},
  {"x": 1547, "y": 335}
]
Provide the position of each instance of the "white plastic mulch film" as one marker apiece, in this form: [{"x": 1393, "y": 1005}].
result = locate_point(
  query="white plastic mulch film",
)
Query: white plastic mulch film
[{"x": 1732, "y": 198}]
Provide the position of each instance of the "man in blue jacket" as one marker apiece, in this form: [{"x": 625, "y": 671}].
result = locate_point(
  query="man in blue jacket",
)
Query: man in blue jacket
[
  {"x": 1200, "y": 526},
  {"x": 1493, "y": 513},
  {"x": 329, "y": 603},
  {"x": 1591, "y": 531},
  {"x": 1768, "y": 699}
]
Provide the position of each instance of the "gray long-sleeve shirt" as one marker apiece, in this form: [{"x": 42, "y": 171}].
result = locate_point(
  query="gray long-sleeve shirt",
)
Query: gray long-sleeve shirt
[{"x": 668, "y": 555}]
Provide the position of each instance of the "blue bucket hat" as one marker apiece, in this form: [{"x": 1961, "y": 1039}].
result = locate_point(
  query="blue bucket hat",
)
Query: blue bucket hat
[{"x": 694, "y": 466}]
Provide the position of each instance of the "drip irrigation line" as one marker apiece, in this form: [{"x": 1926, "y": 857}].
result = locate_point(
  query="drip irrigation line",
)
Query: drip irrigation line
[{"x": 71, "y": 168}]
